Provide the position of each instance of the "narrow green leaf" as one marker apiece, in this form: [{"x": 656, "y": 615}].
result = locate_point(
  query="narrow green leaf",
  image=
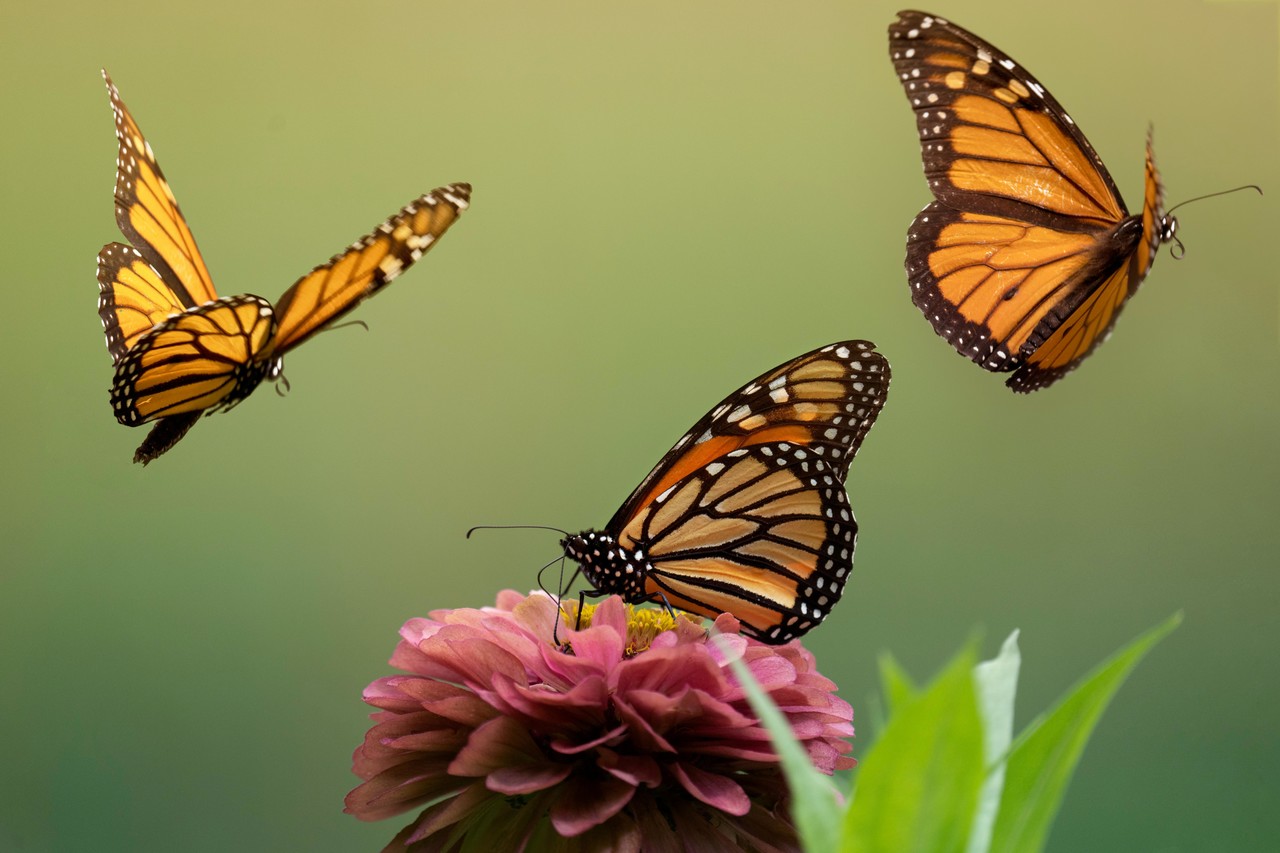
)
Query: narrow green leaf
[
  {"x": 1045, "y": 756},
  {"x": 815, "y": 800},
  {"x": 996, "y": 681},
  {"x": 899, "y": 688},
  {"x": 918, "y": 786}
]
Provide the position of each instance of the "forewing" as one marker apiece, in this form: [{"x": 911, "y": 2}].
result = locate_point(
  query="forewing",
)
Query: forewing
[
  {"x": 205, "y": 358},
  {"x": 148, "y": 215},
  {"x": 748, "y": 513},
  {"x": 992, "y": 138},
  {"x": 332, "y": 289}
]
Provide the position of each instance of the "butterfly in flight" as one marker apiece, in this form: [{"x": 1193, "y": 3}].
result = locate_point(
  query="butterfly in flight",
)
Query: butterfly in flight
[
  {"x": 178, "y": 348},
  {"x": 748, "y": 514},
  {"x": 1028, "y": 253}
]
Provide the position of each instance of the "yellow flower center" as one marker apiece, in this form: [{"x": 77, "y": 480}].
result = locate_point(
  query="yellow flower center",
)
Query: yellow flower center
[{"x": 643, "y": 623}]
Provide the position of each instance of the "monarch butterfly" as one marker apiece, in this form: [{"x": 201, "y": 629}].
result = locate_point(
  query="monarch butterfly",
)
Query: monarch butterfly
[
  {"x": 747, "y": 513},
  {"x": 178, "y": 348},
  {"x": 1027, "y": 255}
]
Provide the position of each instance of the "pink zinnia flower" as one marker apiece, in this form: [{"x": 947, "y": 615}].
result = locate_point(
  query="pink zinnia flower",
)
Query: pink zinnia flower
[{"x": 637, "y": 736}]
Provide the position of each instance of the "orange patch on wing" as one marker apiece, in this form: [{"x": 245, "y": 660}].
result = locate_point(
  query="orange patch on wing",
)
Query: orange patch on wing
[
  {"x": 973, "y": 109},
  {"x": 986, "y": 142},
  {"x": 808, "y": 532},
  {"x": 190, "y": 397},
  {"x": 713, "y": 448},
  {"x": 670, "y": 510},
  {"x": 1065, "y": 155},
  {"x": 741, "y": 472},
  {"x": 779, "y": 481},
  {"x": 1074, "y": 338},
  {"x": 797, "y": 562},
  {"x": 701, "y": 531}
]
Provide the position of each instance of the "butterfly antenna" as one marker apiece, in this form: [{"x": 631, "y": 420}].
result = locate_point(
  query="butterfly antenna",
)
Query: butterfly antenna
[
  {"x": 543, "y": 585},
  {"x": 517, "y": 527},
  {"x": 1179, "y": 251},
  {"x": 554, "y": 596},
  {"x": 1213, "y": 195}
]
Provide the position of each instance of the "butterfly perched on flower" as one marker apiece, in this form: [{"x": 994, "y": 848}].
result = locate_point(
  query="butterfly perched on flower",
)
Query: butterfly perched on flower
[
  {"x": 1028, "y": 253},
  {"x": 747, "y": 514},
  {"x": 178, "y": 348}
]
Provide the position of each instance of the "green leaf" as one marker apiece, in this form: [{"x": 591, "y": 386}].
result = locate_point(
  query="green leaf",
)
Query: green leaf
[
  {"x": 1042, "y": 761},
  {"x": 996, "y": 681},
  {"x": 918, "y": 786},
  {"x": 899, "y": 688},
  {"x": 815, "y": 800}
]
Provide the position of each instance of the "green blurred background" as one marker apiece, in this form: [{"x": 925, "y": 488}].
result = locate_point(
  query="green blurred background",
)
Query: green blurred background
[{"x": 670, "y": 198}]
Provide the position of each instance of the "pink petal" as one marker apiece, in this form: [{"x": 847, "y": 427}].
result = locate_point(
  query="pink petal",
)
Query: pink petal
[
  {"x": 528, "y": 779},
  {"x": 449, "y": 812},
  {"x": 600, "y": 646},
  {"x": 772, "y": 672},
  {"x": 382, "y": 743},
  {"x": 633, "y": 769},
  {"x": 671, "y": 670},
  {"x": 642, "y": 735},
  {"x": 566, "y": 747},
  {"x": 399, "y": 788},
  {"x": 501, "y": 742},
  {"x": 470, "y": 660},
  {"x": 538, "y": 614},
  {"x": 715, "y": 790},
  {"x": 509, "y": 599},
  {"x": 584, "y": 802},
  {"x": 417, "y": 629},
  {"x": 388, "y": 693},
  {"x": 583, "y": 707},
  {"x": 613, "y": 613},
  {"x": 687, "y": 713}
]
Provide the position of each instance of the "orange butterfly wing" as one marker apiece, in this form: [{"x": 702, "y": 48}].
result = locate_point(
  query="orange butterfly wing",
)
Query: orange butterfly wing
[
  {"x": 1028, "y": 253},
  {"x": 162, "y": 273},
  {"x": 148, "y": 215},
  {"x": 332, "y": 289},
  {"x": 202, "y": 360},
  {"x": 748, "y": 513},
  {"x": 132, "y": 297}
]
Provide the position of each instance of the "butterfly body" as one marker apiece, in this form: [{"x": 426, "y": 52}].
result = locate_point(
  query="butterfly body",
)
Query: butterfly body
[
  {"x": 179, "y": 349},
  {"x": 1027, "y": 255},
  {"x": 748, "y": 513},
  {"x": 608, "y": 565}
]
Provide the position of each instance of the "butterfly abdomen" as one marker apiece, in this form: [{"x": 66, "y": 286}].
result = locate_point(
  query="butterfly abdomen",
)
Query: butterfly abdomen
[{"x": 607, "y": 566}]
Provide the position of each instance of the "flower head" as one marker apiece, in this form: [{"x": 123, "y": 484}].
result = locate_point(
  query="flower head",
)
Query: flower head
[{"x": 634, "y": 728}]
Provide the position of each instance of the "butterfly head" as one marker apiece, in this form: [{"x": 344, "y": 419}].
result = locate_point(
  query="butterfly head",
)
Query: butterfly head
[
  {"x": 1168, "y": 228},
  {"x": 275, "y": 372},
  {"x": 607, "y": 566}
]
